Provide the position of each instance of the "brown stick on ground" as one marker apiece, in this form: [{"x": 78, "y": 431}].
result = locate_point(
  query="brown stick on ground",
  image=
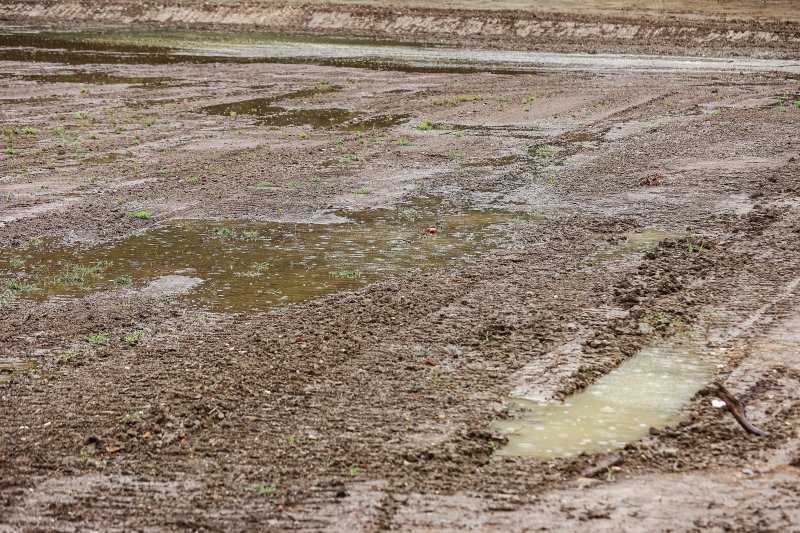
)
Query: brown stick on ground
[{"x": 737, "y": 410}]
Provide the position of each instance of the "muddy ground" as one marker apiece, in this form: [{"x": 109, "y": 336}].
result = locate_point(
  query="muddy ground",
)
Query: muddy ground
[{"x": 372, "y": 408}]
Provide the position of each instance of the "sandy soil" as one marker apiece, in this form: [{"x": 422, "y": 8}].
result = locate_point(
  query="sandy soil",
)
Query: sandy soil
[{"x": 370, "y": 409}]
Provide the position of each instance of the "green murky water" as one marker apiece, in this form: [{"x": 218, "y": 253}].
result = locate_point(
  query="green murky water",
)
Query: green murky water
[
  {"x": 647, "y": 390},
  {"x": 248, "y": 266},
  {"x": 270, "y": 114}
]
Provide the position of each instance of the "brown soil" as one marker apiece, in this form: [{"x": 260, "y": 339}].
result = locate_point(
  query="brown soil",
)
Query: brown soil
[{"x": 370, "y": 409}]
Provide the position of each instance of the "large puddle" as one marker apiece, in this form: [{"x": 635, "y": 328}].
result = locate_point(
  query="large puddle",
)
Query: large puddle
[
  {"x": 170, "y": 46},
  {"x": 648, "y": 390},
  {"x": 268, "y": 113},
  {"x": 247, "y": 266}
]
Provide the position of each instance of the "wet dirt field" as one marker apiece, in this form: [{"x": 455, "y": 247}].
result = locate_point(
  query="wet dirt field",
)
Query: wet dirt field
[{"x": 248, "y": 291}]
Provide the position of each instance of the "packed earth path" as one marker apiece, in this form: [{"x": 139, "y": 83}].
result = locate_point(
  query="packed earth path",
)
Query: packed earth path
[{"x": 254, "y": 281}]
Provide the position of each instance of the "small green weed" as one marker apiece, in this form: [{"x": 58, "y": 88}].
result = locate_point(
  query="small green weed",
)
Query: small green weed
[
  {"x": 546, "y": 154},
  {"x": 425, "y": 125},
  {"x": 69, "y": 354},
  {"x": 19, "y": 286},
  {"x": 131, "y": 417},
  {"x": 348, "y": 158},
  {"x": 222, "y": 231},
  {"x": 97, "y": 338},
  {"x": 143, "y": 215},
  {"x": 134, "y": 338},
  {"x": 402, "y": 142},
  {"x": 265, "y": 489}
]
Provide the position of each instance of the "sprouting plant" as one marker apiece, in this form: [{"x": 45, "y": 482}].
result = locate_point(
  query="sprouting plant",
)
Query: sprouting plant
[
  {"x": 425, "y": 125},
  {"x": 134, "y": 338},
  {"x": 8, "y": 196},
  {"x": 131, "y": 417},
  {"x": 260, "y": 267},
  {"x": 147, "y": 121},
  {"x": 81, "y": 116},
  {"x": 546, "y": 154},
  {"x": 250, "y": 234},
  {"x": 459, "y": 134},
  {"x": 364, "y": 190},
  {"x": 492, "y": 445},
  {"x": 123, "y": 281},
  {"x": 265, "y": 489},
  {"x": 58, "y": 130},
  {"x": 234, "y": 114},
  {"x": 609, "y": 474},
  {"x": 348, "y": 158},
  {"x": 16, "y": 262},
  {"x": 28, "y": 130},
  {"x": 695, "y": 248},
  {"x": 97, "y": 338},
  {"x": 264, "y": 184},
  {"x": 143, "y": 215},
  {"x": 303, "y": 135},
  {"x": 69, "y": 354},
  {"x": 537, "y": 214},
  {"x": 19, "y": 286},
  {"x": 223, "y": 231},
  {"x": 7, "y": 299},
  {"x": 436, "y": 376},
  {"x": 353, "y": 471},
  {"x": 530, "y": 100},
  {"x": 291, "y": 185},
  {"x": 797, "y": 104},
  {"x": 402, "y": 142},
  {"x": 717, "y": 111},
  {"x": 10, "y": 151}
]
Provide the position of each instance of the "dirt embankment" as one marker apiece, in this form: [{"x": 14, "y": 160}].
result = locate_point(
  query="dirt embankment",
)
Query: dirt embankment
[{"x": 511, "y": 29}]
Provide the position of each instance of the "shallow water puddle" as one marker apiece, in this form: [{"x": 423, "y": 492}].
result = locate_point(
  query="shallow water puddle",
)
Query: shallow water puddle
[
  {"x": 647, "y": 390},
  {"x": 92, "y": 77},
  {"x": 10, "y": 368},
  {"x": 173, "y": 46},
  {"x": 252, "y": 266},
  {"x": 635, "y": 241},
  {"x": 273, "y": 115}
]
